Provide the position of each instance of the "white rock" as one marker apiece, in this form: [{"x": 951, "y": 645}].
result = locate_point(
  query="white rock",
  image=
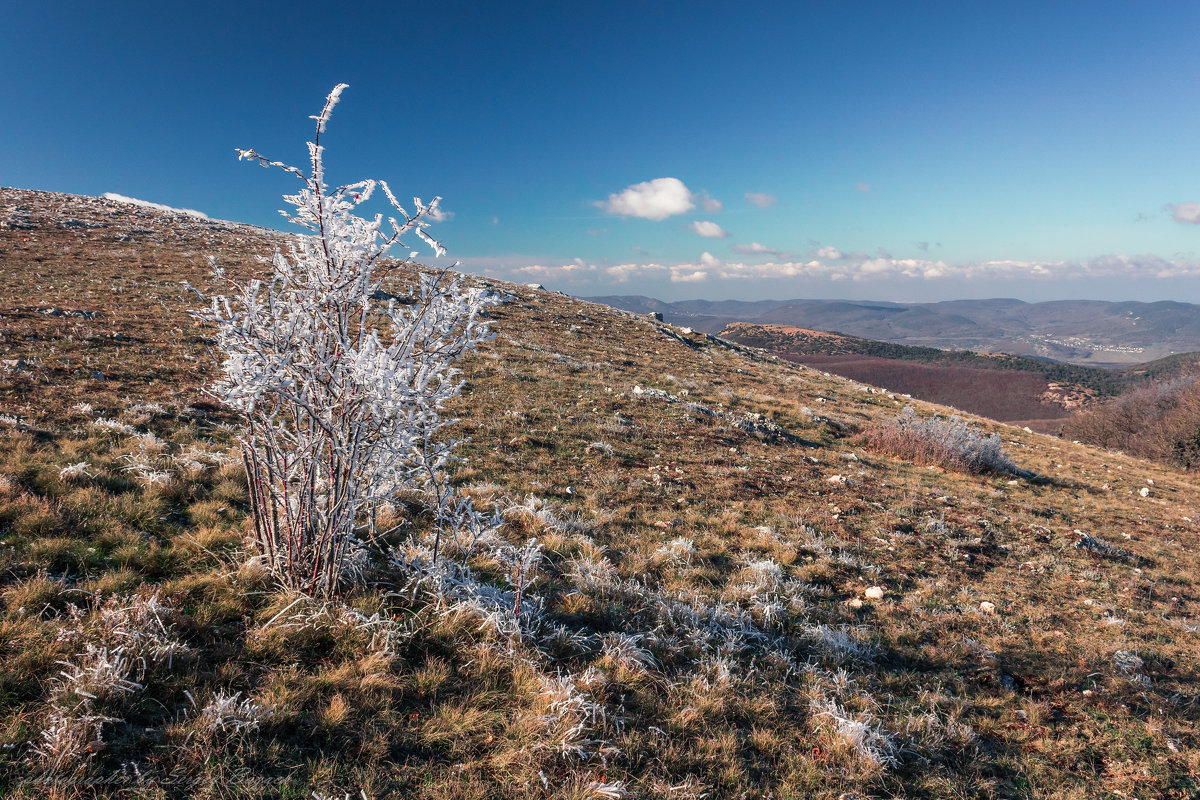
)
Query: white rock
[
  {"x": 987, "y": 608},
  {"x": 874, "y": 593},
  {"x": 1144, "y": 491},
  {"x": 854, "y": 603}
]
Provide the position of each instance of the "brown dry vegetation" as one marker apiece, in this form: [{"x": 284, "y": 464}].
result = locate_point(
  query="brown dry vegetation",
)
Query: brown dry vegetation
[
  {"x": 1034, "y": 637},
  {"x": 1160, "y": 421},
  {"x": 1012, "y": 391},
  {"x": 1002, "y": 396}
]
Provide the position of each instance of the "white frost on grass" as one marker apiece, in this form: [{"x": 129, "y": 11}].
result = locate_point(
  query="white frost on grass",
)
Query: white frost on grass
[
  {"x": 226, "y": 712},
  {"x": 133, "y": 201}
]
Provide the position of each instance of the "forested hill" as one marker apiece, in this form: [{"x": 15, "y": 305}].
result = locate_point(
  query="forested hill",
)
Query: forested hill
[{"x": 791, "y": 342}]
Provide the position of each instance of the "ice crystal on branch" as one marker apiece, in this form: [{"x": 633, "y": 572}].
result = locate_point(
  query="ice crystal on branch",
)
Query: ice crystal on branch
[{"x": 339, "y": 414}]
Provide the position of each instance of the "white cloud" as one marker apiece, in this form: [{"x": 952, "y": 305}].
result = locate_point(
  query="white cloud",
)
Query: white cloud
[
  {"x": 439, "y": 214},
  {"x": 755, "y": 249},
  {"x": 710, "y": 204},
  {"x": 133, "y": 201},
  {"x": 852, "y": 267},
  {"x": 577, "y": 268},
  {"x": 656, "y": 199},
  {"x": 1185, "y": 212},
  {"x": 830, "y": 253},
  {"x": 709, "y": 230},
  {"x": 862, "y": 187},
  {"x": 761, "y": 199}
]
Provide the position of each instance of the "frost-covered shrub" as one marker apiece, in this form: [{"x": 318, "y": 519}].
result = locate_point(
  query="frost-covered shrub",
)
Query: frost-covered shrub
[
  {"x": 953, "y": 443},
  {"x": 338, "y": 416}
]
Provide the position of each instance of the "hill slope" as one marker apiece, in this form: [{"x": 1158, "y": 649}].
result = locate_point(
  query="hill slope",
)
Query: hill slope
[
  {"x": 737, "y": 598},
  {"x": 1085, "y": 332},
  {"x": 1036, "y": 393}
]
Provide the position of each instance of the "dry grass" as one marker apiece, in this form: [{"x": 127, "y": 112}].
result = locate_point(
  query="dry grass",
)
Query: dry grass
[
  {"x": 1080, "y": 681},
  {"x": 1160, "y": 421}
]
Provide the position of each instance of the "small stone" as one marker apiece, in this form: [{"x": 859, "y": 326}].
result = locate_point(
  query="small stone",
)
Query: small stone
[
  {"x": 987, "y": 608},
  {"x": 99, "y": 376},
  {"x": 874, "y": 593},
  {"x": 854, "y": 603},
  {"x": 1144, "y": 491}
]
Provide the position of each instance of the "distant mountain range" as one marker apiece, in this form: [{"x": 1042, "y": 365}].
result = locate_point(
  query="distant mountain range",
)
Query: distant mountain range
[{"x": 1086, "y": 332}]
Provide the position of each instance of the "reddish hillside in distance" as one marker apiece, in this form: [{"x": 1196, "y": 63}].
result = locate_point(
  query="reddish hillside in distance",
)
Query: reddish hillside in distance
[{"x": 1005, "y": 396}]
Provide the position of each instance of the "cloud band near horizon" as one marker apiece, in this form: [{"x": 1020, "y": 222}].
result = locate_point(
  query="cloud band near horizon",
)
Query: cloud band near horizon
[{"x": 710, "y": 269}]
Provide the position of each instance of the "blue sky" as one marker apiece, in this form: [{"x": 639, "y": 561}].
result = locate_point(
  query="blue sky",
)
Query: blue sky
[{"x": 906, "y": 151}]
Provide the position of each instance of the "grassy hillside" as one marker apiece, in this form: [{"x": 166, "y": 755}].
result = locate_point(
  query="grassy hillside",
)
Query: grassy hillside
[
  {"x": 788, "y": 341},
  {"x": 739, "y": 596},
  {"x": 1014, "y": 389}
]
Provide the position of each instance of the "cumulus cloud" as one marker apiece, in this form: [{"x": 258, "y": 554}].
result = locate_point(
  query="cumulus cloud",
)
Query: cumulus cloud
[
  {"x": 862, "y": 187},
  {"x": 133, "y": 201},
  {"x": 830, "y": 253},
  {"x": 709, "y": 230},
  {"x": 761, "y": 199},
  {"x": 656, "y": 199},
  {"x": 1185, "y": 212}
]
